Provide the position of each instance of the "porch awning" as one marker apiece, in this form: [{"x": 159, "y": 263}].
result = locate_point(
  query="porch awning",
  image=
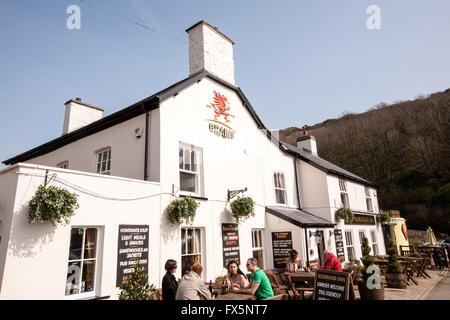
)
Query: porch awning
[{"x": 300, "y": 218}]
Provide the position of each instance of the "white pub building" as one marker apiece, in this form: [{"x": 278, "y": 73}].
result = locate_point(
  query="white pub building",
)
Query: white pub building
[{"x": 201, "y": 138}]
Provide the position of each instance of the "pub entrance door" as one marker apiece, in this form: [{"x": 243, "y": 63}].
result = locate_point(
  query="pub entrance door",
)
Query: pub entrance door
[{"x": 320, "y": 246}]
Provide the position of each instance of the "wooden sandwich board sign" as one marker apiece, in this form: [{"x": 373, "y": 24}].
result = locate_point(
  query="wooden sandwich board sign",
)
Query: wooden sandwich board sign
[{"x": 331, "y": 285}]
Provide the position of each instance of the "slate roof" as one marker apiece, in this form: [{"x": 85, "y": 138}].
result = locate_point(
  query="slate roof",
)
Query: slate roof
[{"x": 300, "y": 218}]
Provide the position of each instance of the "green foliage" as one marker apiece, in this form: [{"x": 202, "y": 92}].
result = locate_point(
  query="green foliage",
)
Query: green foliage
[
  {"x": 366, "y": 259},
  {"x": 242, "y": 208},
  {"x": 401, "y": 147},
  {"x": 137, "y": 286},
  {"x": 346, "y": 214},
  {"x": 52, "y": 204},
  {"x": 181, "y": 210},
  {"x": 393, "y": 266},
  {"x": 383, "y": 217}
]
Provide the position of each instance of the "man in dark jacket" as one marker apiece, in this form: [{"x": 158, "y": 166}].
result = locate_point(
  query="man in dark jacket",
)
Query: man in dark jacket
[{"x": 169, "y": 283}]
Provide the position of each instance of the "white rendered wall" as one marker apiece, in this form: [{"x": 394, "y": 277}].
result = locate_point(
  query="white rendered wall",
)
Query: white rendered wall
[
  {"x": 37, "y": 256},
  {"x": 127, "y": 152}
]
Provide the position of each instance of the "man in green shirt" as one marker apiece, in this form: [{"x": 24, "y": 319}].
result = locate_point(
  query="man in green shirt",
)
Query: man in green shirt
[{"x": 260, "y": 285}]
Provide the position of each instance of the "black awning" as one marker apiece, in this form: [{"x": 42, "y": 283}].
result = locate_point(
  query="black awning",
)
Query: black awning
[{"x": 300, "y": 218}]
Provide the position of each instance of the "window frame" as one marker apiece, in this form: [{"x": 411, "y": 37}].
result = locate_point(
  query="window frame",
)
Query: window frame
[
  {"x": 369, "y": 204},
  {"x": 374, "y": 238},
  {"x": 275, "y": 173},
  {"x": 349, "y": 245},
  {"x": 63, "y": 165},
  {"x": 97, "y": 162},
  {"x": 198, "y": 174},
  {"x": 92, "y": 293},
  {"x": 201, "y": 249},
  {"x": 360, "y": 240},
  {"x": 261, "y": 248},
  {"x": 344, "y": 192}
]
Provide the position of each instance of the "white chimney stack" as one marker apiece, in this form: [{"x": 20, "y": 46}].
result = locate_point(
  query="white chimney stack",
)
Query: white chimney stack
[
  {"x": 210, "y": 50},
  {"x": 79, "y": 114},
  {"x": 307, "y": 142}
]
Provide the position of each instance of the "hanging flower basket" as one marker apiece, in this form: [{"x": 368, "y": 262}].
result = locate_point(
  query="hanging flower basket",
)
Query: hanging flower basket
[
  {"x": 383, "y": 217},
  {"x": 52, "y": 204},
  {"x": 242, "y": 208},
  {"x": 182, "y": 210},
  {"x": 346, "y": 214}
]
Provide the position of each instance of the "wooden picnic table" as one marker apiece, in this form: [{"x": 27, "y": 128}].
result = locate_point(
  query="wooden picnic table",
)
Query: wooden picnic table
[
  {"x": 235, "y": 296},
  {"x": 296, "y": 282}
]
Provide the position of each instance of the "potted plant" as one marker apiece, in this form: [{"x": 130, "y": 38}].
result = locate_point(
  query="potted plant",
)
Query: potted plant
[
  {"x": 137, "y": 286},
  {"x": 242, "y": 208},
  {"x": 182, "y": 210},
  {"x": 383, "y": 217},
  {"x": 345, "y": 214},
  {"x": 52, "y": 204},
  {"x": 394, "y": 276},
  {"x": 365, "y": 292}
]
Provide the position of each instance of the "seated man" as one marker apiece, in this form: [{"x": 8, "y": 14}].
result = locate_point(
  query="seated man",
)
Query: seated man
[
  {"x": 331, "y": 262},
  {"x": 259, "y": 283},
  {"x": 192, "y": 286}
]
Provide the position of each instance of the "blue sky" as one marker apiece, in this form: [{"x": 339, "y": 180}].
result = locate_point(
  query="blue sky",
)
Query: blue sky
[{"x": 298, "y": 62}]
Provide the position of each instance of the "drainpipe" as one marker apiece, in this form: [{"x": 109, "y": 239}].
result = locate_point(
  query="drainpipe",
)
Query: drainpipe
[
  {"x": 147, "y": 118},
  {"x": 298, "y": 186},
  {"x": 307, "y": 249}
]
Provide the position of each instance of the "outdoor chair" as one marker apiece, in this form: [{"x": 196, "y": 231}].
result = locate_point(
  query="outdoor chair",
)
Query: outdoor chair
[
  {"x": 421, "y": 269},
  {"x": 283, "y": 289}
]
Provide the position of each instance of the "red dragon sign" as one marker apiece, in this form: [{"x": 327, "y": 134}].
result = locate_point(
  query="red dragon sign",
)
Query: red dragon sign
[{"x": 221, "y": 106}]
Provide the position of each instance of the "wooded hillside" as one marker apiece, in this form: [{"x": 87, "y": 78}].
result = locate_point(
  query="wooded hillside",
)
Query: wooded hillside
[{"x": 404, "y": 148}]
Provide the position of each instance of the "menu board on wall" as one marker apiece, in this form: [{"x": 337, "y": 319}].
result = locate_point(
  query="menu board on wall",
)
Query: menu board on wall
[
  {"x": 340, "y": 254},
  {"x": 281, "y": 248},
  {"x": 331, "y": 285},
  {"x": 230, "y": 236},
  {"x": 132, "y": 247}
]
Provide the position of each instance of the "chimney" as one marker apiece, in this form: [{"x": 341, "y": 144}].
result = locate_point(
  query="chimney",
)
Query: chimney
[
  {"x": 210, "y": 50},
  {"x": 79, "y": 114},
  {"x": 307, "y": 142}
]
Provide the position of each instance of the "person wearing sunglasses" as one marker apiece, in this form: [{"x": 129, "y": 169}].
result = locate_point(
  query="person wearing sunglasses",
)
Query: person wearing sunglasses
[{"x": 169, "y": 283}]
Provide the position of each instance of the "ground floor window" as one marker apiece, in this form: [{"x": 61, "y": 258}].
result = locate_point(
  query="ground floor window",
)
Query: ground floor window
[
  {"x": 373, "y": 234},
  {"x": 82, "y": 260},
  {"x": 361, "y": 235},
  {"x": 349, "y": 245},
  {"x": 191, "y": 248},
  {"x": 258, "y": 246}
]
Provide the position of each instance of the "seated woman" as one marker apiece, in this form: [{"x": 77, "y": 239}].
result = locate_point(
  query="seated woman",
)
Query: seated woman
[
  {"x": 293, "y": 263},
  {"x": 235, "y": 277}
]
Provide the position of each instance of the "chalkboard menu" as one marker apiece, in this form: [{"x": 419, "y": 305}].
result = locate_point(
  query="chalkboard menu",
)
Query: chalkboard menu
[
  {"x": 339, "y": 245},
  {"x": 132, "y": 247},
  {"x": 230, "y": 236},
  {"x": 281, "y": 248},
  {"x": 331, "y": 285}
]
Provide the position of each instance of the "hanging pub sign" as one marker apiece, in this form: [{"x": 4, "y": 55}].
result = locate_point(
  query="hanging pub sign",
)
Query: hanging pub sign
[
  {"x": 132, "y": 247},
  {"x": 221, "y": 108},
  {"x": 281, "y": 248},
  {"x": 363, "y": 219},
  {"x": 331, "y": 285},
  {"x": 339, "y": 245},
  {"x": 230, "y": 236}
]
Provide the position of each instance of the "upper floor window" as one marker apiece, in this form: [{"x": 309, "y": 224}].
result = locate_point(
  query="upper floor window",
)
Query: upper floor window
[
  {"x": 104, "y": 161},
  {"x": 368, "y": 200},
  {"x": 344, "y": 194},
  {"x": 63, "y": 165},
  {"x": 190, "y": 168},
  {"x": 280, "y": 188}
]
